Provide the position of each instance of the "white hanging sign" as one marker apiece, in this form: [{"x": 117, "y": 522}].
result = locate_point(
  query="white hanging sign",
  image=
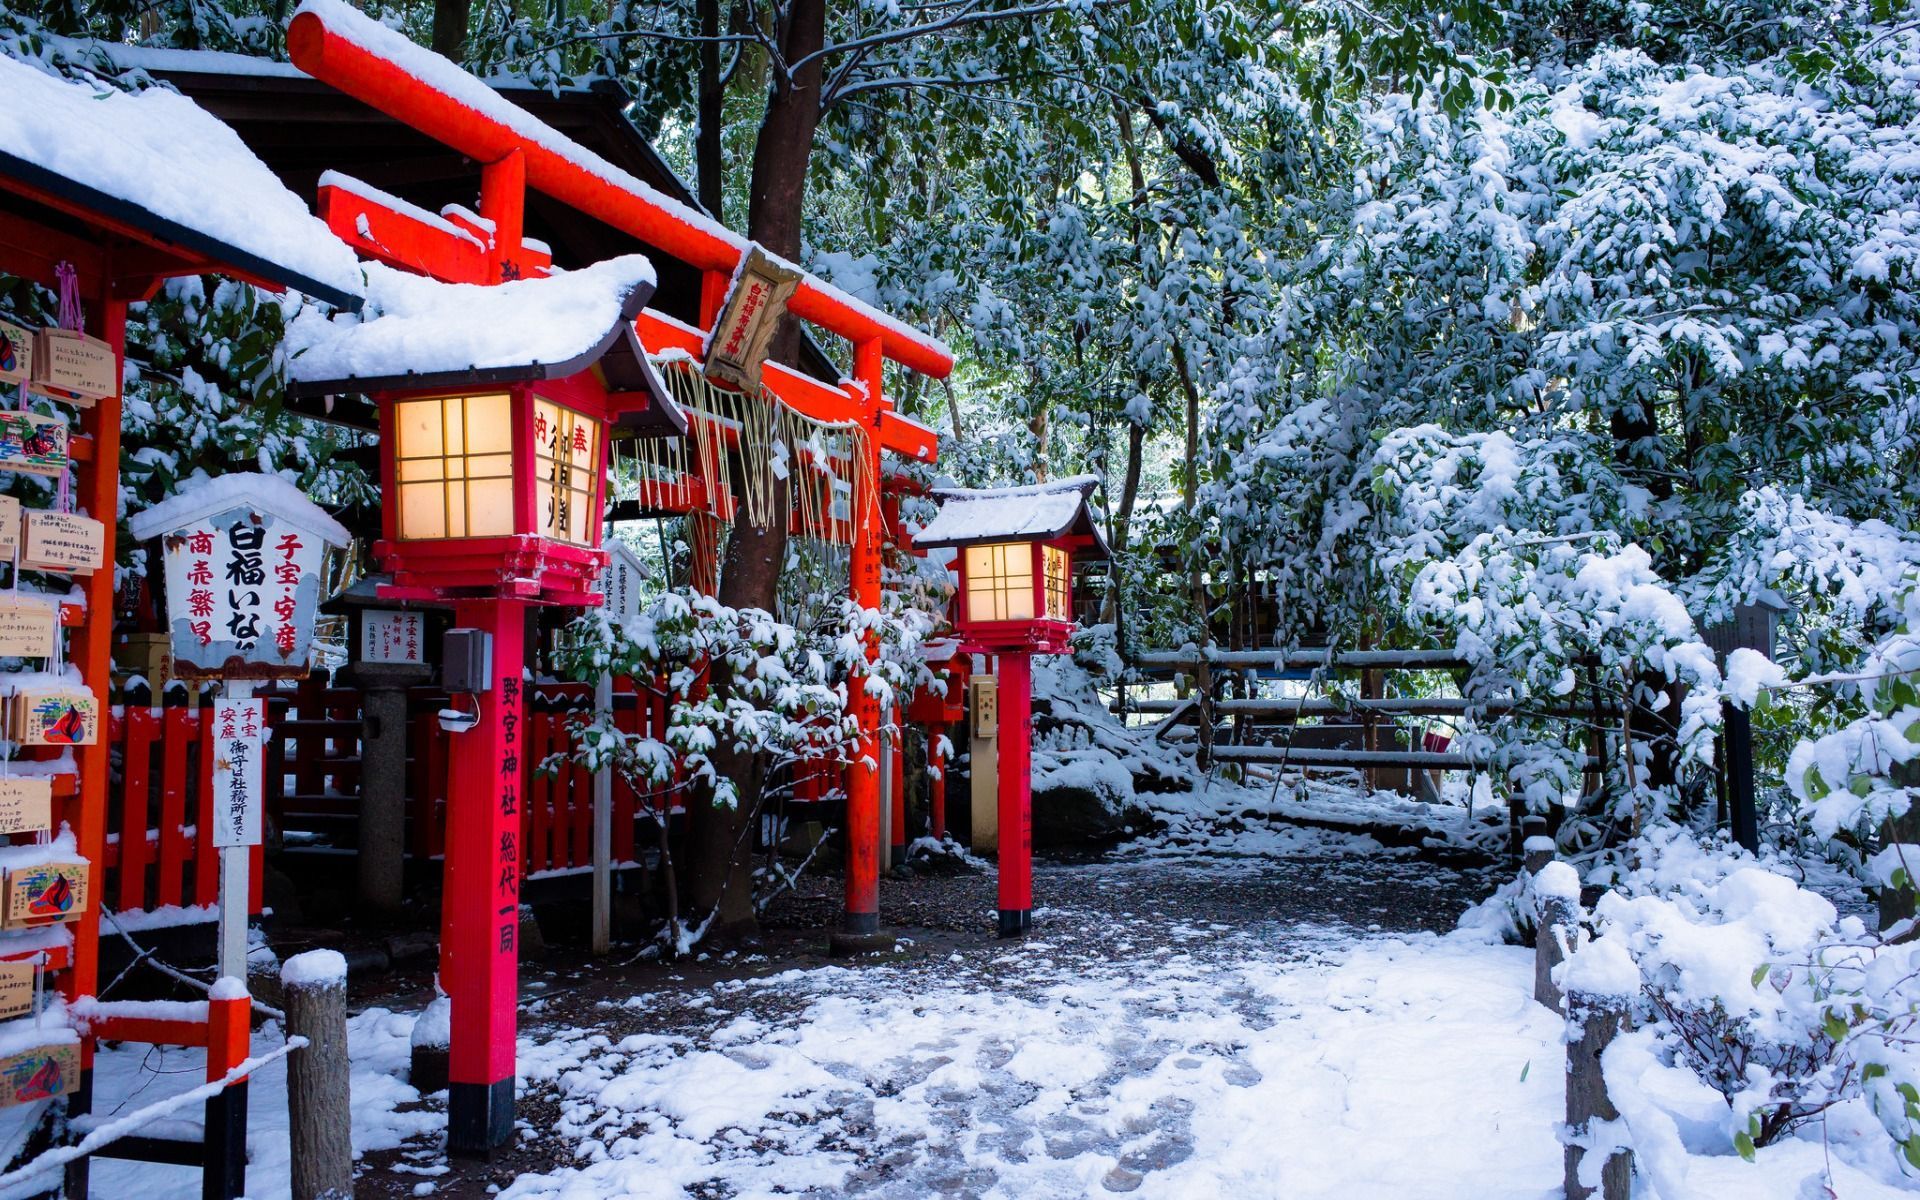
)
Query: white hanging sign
[
  {"x": 622, "y": 581},
  {"x": 393, "y": 636},
  {"x": 242, "y": 568},
  {"x": 239, "y": 771}
]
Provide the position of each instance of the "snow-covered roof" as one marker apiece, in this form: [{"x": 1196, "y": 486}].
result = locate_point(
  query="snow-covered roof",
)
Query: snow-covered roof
[
  {"x": 1035, "y": 512},
  {"x": 203, "y": 498},
  {"x": 163, "y": 164},
  {"x": 419, "y": 333}
]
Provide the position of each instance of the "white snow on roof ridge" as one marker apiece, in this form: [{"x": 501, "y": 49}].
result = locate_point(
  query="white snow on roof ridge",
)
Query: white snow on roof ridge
[
  {"x": 1069, "y": 483},
  {"x": 457, "y": 83},
  {"x": 417, "y": 325},
  {"x": 162, "y": 152},
  {"x": 123, "y": 57},
  {"x": 1030, "y": 511},
  {"x": 209, "y": 496}
]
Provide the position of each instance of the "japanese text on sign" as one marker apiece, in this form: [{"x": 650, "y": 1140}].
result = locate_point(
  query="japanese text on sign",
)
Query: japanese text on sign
[
  {"x": 393, "y": 636},
  {"x": 239, "y": 776}
]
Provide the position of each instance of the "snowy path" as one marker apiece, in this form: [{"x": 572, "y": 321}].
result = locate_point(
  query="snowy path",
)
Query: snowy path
[{"x": 1125, "y": 1048}]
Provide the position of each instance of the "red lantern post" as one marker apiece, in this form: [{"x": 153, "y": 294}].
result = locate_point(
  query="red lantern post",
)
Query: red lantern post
[
  {"x": 493, "y": 476},
  {"x": 1015, "y": 566}
]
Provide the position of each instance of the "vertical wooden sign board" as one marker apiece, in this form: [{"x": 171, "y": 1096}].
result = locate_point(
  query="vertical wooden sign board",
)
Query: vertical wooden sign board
[{"x": 239, "y": 775}]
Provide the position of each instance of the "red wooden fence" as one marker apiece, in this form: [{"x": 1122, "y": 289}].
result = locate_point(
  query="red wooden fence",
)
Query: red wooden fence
[{"x": 160, "y": 820}]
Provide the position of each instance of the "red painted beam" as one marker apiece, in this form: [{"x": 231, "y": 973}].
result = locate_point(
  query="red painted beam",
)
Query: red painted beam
[{"x": 573, "y": 176}]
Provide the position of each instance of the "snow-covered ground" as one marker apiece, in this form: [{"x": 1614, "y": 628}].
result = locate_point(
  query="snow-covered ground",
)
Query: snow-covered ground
[{"x": 1194, "y": 1028}]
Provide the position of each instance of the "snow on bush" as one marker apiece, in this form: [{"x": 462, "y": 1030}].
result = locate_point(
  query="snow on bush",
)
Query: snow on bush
[{"x": 1755, "y": 987}]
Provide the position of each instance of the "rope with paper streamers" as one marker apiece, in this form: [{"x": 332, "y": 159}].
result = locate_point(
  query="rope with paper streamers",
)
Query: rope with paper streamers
[{"x": 825, "y": 465}]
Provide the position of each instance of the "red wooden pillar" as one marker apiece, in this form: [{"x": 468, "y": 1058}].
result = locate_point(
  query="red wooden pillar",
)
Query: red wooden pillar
[
  {"x": 936, "y": 785},
  {"x": 1016, "y": 792},
  {"x": 861, "y": 916},
  {"x": 480, "y": 922}
]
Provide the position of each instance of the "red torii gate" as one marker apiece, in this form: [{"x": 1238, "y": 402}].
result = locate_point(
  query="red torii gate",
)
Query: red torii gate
[{"x": 516, "y": 151}]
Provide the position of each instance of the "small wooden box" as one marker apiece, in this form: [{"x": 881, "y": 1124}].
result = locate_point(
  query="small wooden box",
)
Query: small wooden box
[
  {"x": 49, "y": 894},
  {"x": 66, "y": 542},
  {"x": 73, "y": 367},
  {"x": 40, "y": 1073},
  {"x": 26, "y": 804},
  {"x": 16, "y": 354},
  {"x": 54, "y": 716},
  {"x": 149, "y": 655},
  {"x": 33, "y": 443}
]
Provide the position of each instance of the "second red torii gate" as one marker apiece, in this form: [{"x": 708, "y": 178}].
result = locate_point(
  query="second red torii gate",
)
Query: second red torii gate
[{"x": 516, "y": 151}]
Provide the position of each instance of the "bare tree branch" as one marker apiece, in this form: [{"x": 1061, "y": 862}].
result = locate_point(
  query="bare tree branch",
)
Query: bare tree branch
[{"x": 966, "y": 16}]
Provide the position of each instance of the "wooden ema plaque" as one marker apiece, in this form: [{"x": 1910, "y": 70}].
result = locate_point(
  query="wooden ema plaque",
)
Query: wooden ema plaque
[
  {"x": 16, "y": 354},
  {"x": 67, "y": 542},
  {"x": 49, "y": 894},
  {"x": 40, "y": 1073},
  {"x": 26, "y": 803},
  {"x": 16, "y": 989},
  {"x": 761, "y": 288},
  {"x": 28, "y": 627},
  {"x": 73, "y": 367},
  {"x": 9, "y": 527},
  {"x": 33, "y": 443},
  {"x": 55, "y": 716}
]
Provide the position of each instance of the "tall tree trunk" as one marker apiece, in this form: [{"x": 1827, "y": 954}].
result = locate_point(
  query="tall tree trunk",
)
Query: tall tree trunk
[
  {"x": 720, "y": 844},
  {"x": 709, "y": 163},
  {"x": 450, "y": 28},
  {"x": 1196, "y": 550}
]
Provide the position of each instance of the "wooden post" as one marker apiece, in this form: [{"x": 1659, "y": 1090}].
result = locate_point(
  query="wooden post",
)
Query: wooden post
[
  {"x": 602, "y": 933},
  {"x": 380, "y": 860},
  {"x": 1556, "y": 894},
  {"x": 319, "y": 1104},
  {"x": 1592, "y": 1022}
]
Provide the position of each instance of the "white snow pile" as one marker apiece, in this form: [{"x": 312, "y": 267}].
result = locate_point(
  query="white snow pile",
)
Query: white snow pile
[
  {"x": 1765, "y": 1021},
  {"x": 419, "y": 325},
  {"x": 160, "y": 151}
]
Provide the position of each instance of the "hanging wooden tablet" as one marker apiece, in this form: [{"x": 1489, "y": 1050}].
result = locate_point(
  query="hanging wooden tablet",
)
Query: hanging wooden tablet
[
  {"x": 73, "y": 367},
  {"x": 26, "y": 803},
  {"x": 29, "y": 626},
  {"x": 9, "y": 527},
  {"x": 31, "y": 442},
  {"x": 67, "y": 542},
  {"x": 40, "y": 1073},
  {"x": 49, "y": 894},
  {"x": 66, "y": 715},
  {"x": 16, "y": 354},
  {"x": 16, "y": 989}
]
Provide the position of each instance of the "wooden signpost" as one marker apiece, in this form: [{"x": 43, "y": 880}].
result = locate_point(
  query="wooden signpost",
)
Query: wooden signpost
[{"x": 241, "y": 557}]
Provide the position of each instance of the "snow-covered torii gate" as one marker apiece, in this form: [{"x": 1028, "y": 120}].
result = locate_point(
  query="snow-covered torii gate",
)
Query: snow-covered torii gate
[{"x": 516, "y": 151}]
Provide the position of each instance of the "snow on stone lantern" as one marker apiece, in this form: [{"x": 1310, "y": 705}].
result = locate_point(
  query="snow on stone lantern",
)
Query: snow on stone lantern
[
  {"x": 1016, "y": 548},
  {"x": 496, "y": 406}
]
